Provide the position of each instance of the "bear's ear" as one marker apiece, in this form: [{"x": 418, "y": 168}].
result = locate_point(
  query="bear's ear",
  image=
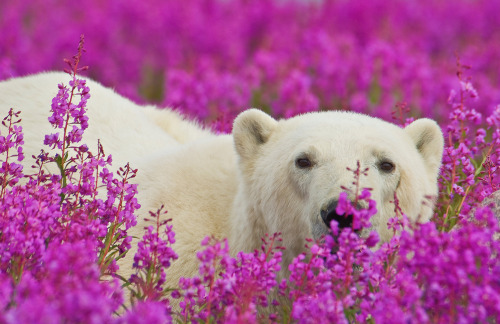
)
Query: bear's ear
[
  {"x": 429, "y": 141},
  {"x": 251, "y": 129}
]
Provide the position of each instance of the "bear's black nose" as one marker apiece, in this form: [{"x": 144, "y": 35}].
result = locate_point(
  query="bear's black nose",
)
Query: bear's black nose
[{"x": 328, "y": 214}]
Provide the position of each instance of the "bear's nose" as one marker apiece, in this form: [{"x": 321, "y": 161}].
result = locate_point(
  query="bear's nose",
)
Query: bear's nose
[{"x": 330, "y": 214}]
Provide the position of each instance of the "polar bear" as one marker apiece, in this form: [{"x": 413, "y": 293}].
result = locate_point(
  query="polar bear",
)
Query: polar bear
[
  {"x": 278, "y": 176},
  {"x": 267, "y": 176}
]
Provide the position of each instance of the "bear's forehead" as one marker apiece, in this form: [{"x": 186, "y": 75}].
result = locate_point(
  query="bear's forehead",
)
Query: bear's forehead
[
  {"x": 340, "y": 125},
  {"x": 338, "y": 118},
  {"x": 347, "y": 134}
]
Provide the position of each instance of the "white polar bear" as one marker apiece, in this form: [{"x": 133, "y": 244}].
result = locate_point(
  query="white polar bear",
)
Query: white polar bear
[{"x": 268, "y": 176}]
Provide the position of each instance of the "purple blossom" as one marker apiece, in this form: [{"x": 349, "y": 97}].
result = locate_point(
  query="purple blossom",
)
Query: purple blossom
[
  {"x": 423, "y": 289},
  {"x": 60, "y": 237},
  {"x": 54, "y": 240},
  {"x": 11, "y": 172},
  {"x": 67, "y": 289},
  {"x": 153, "y": 257},
  {"x": 233, "y": 292},
  {"x": 146, "y": 312}
]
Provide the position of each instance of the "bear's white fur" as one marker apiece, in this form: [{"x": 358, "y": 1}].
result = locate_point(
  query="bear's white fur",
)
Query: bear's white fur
[
  {"x": 244, "y": 185},
  {"x": 125, "y": 130}
]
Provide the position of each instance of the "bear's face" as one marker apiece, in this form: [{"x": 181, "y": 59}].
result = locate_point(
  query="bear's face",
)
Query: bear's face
[{"x": 293, "y": 171}]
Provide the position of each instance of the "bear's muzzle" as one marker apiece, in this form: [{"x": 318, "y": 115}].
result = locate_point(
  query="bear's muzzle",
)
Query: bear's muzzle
[{"x": 329, "y": 214}]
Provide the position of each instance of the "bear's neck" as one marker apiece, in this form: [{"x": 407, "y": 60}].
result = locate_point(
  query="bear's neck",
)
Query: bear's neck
[{"x": 247, "y": 225}]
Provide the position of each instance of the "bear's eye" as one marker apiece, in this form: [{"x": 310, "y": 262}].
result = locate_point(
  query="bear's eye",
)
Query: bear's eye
[
  {"x": 386, "y": 166},
  {"x": 303, "y": 163}
]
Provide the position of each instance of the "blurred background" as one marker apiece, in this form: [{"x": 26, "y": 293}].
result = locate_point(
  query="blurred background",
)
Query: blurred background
[{"x": 214, "y": 58}]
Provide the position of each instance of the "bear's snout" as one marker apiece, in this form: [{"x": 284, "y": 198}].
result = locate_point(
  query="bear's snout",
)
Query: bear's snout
[{"x": 329, "y": 214}]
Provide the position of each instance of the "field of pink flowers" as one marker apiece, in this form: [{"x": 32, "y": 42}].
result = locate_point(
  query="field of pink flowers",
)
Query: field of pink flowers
[{"x": 210, "y": 59}]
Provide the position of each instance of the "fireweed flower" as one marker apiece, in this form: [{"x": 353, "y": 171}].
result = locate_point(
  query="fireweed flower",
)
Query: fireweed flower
[
  {"x": 326, "y": 284},
  {"x": 67, "y": 289},
  {"x": 466, "y": 157},
  {"x": 442, "y": 273},
  {"x": 63, "y": 110},
  {"x": 151, "y": 312},
  {"x": 11, "y": 146},
  {"x": 247, "y": 282},
  {"x": 296, "y": 92},
  {"x": 230, "y": 289},
  {"x": 57, "y": 236},
  {"x": 422, "y": 289},
  {"x": 363, "y": 67},
  {"x": 153, "y": 257}
]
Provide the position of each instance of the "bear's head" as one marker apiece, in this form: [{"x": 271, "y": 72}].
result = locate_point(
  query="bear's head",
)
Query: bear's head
[{"x": 291, "y": 172}]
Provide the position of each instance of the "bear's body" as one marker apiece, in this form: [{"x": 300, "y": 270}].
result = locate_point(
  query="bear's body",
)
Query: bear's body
[
  {"x": 125, "y": 130},
  {"x": 268, "y": 176}
]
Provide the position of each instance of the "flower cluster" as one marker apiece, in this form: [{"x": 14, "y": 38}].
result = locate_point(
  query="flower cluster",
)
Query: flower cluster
[
  {"x": 442, "y": 277},
  {"x": 361, "y": 216},
  {"x": 11, "y": 172},
  {"x": 231, "y": 289},
  {"x": 214, "y": 58},
  {"x": 153, "y": 256},
  {"x": 64, "y": 223},
  {"x": 65, "y": 289},
  {"x": 328, "y": 283},
  {"x": 469, "y": 160},
  {"x": 59, "y": 239}
]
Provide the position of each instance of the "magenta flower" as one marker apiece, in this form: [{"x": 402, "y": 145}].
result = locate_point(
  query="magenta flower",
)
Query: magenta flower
[
  {"x": 61, "y": 234},
  {"x": 153, "y": 257}
]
